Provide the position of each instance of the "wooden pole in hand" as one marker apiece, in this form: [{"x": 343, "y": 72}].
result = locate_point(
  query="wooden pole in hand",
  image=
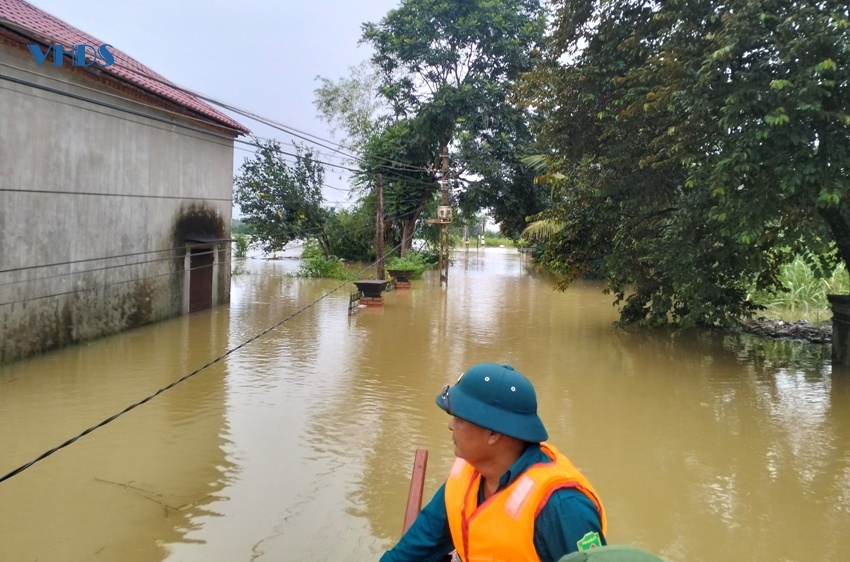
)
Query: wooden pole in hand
[{"x": 417, "y": 485}]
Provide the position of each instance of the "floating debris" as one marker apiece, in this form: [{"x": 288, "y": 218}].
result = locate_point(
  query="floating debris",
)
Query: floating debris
[{"x": 802, "y": 330}]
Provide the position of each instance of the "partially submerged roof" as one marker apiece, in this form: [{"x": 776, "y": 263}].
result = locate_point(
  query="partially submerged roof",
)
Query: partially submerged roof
[{"x": 43, "y": 28}]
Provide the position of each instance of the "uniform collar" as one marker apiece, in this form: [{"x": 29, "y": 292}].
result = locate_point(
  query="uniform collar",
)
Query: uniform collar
[{"x": 533, "y": 454}]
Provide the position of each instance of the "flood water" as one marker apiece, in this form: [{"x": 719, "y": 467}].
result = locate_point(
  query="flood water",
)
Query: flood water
[{"x": 298, "y": 445}]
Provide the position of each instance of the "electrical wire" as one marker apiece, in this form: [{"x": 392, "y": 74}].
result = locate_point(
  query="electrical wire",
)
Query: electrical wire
[
  {"x": 391, "y": 171},
  {"x": 108, "y": 105},
  {"x": 253, "y": 144},
  {"x": 264, "y": 120},
  {"x": 94, "y": 270},
  {"x": 184, "y": 377},
  {"x": 288, "y": 130},
  {"x": 150, "y": 106},
  {"x": 134, "y": 254},
  {"x": 347, "y": 236},
  {"x": 111, "y": 284},
  {"x": 122, "y": 195}
]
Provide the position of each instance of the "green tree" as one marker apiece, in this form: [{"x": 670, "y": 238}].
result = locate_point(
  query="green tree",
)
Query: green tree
[
  {"x": 441, "y": 80},
  {"x": 352, "y": 233},
  {"x": 694, "y": 147},
  {"x": 383, "y": 144},
  {"x": 282, "y": 202},
  {"x": 353, "y": 105},
  {"x": 446, "y": 71},
  {"x": 408, "y": 190}
]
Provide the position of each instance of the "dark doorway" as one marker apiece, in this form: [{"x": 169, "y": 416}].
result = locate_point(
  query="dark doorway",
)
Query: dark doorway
[{"x": 200, "y": 279}]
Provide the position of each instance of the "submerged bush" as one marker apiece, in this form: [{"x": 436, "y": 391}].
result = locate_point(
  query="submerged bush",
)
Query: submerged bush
[
  {"x": 241, "y": 244},
  {"x": 311, "y": 250},
  {"x": 328, "y": 268}
]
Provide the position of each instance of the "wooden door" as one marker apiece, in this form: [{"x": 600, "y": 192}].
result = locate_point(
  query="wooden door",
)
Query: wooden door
[{"x": 200, "y": 279}]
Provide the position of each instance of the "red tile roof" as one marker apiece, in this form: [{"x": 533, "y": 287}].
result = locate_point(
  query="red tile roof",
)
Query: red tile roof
[{"x": 46, "y": 29}]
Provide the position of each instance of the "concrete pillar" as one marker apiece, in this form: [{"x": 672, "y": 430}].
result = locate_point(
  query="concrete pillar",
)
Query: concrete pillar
[
  {"x": 840, "y": 328},
  {"x": 372, "y": 301}
]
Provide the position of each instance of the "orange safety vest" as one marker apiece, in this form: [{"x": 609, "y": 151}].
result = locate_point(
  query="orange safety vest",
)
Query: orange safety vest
[{"x": 502, "y": 528}]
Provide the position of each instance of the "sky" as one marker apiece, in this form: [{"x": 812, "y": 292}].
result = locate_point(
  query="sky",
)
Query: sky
[{"x": 258, "y": 55}]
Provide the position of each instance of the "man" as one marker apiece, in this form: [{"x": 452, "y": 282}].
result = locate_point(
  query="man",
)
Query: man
[{"x": 509, "y": 495}]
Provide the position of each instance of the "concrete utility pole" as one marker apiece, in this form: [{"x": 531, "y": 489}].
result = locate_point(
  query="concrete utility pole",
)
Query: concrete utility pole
[
  {"x": 445, "y": 217},
  {"x": 483, "y": 229},
  {"x": 379, "y": 230}
]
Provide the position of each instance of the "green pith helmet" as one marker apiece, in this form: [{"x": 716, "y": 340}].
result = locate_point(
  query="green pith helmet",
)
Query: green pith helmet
[
  {"x": 498, "y": 398},
  {"x": 612, "y": 553}
]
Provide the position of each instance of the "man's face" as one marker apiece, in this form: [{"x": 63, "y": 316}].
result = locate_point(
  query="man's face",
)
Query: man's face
[{"x": 471, "y": 441}]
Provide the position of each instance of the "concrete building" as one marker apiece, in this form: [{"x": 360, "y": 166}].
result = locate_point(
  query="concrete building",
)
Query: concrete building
[{"x": 115, "y": 189}]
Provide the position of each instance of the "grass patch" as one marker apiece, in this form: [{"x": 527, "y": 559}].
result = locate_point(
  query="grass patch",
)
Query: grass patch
[
  {"x": 805, "y": 290},
  {"x": 497, "y": 241},
  {"x": 241, "y": 244}
]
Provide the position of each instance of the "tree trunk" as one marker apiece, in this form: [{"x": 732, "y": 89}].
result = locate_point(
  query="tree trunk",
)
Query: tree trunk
[
  {"x": 324, "y": 244},
  {"x": 840, "y": 227},
  {"x": 408, "y": 225}
]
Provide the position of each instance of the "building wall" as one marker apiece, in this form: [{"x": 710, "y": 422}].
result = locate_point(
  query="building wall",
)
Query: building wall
[{"x": 95, "y": 203}]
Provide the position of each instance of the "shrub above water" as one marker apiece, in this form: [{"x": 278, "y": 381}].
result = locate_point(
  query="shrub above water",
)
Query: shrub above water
[
  {"x": 313, "y": 265},
  {"x": 241, "y": 245},
  {"x": 413, "y": 261},
  {"x": 328, "y": 268}
]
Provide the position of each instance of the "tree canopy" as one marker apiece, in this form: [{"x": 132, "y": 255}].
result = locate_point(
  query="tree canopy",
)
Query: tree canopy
[
  {"x": 446, "y": 70},
  {"x": 282, "y": 202},
  {"x": 352, "y": 104},
  {"x": 693, "y": 147}
]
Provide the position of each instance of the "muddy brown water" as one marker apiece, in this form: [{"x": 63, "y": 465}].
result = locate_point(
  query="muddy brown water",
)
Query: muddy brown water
[{"x": 299, "y": 445}]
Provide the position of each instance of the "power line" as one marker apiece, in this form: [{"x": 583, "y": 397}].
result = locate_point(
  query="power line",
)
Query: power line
[
  {"x": 258, "y": 145},
  {"x": 201, "y": 121},
  {"x": 391, "y": 172},
  {"x": 314, "y": 231},
  {"x": 113, "y": 106},
  {"x": 74, "y": 262},
  {"x": 111, "y": 284},
  {"x": 391, "y": 176},
  {"x": 308, "y": 137},
  {"x": 104, "y": 194},
  {"x": 129, "y": 255},
  {"x": 292, "y": 131},
  {"x": 181, "y": 379},
  {"x": 93, "y": 270},
  {"x": 319, "y": 141}
]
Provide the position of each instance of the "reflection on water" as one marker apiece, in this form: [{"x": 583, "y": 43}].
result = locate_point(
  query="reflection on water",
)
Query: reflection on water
[
  {"x": 129, "y": 488},
  {"x": 299, "y": 445}
]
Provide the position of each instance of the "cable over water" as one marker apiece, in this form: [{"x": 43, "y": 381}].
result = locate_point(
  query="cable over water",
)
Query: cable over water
[{"x": 186, "y": 376}]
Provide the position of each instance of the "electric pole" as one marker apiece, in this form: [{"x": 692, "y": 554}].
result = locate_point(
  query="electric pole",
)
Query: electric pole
[
  {"x": 444, "y": 214},
  {"x": 379, "y": 230}
]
